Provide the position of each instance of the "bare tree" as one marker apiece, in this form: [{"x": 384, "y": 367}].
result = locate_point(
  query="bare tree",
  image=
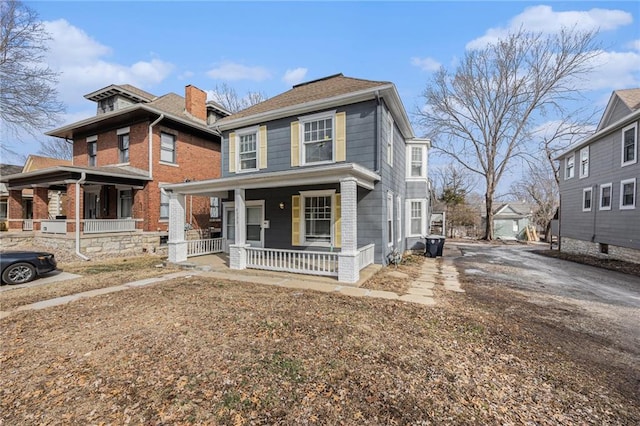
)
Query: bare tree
[
  {"x": 539, "y": 188},
  {"x": 227, "y": 96},
  {"x": 453, "y": 184},
  {"x": 28, "y": 95},
  {"x": 56, "y": 148},
  {"x": 482, "y": 115}
]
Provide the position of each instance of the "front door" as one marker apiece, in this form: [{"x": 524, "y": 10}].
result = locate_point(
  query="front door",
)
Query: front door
[{"x": 254, "y": 219}]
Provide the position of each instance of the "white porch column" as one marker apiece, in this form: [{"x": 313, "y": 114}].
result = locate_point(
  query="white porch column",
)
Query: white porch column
[
  {"x": 348, "y": 270},
  {"x": 237, "y": 251},
  {"x": 177, "y": 243}
]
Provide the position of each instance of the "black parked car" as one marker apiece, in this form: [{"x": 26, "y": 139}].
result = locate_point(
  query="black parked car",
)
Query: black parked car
[{"x": 20, "y": 267}]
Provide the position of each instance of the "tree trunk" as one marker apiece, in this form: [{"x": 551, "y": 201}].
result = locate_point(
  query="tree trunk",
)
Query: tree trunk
[
  {"x": 488, "y": 226},
  {"x": 547, "y": 232}
]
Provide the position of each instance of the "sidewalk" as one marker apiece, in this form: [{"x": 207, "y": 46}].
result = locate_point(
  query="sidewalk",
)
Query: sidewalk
[{"x": 433, "y": 271}]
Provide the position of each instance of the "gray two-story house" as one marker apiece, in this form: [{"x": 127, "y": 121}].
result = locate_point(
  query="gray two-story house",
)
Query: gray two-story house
[
  {"x": 324, "y": 179},
  {"x": 599, "y": 210}
]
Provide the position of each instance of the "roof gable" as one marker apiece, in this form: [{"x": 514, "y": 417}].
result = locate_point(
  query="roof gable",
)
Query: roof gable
[
  {"x": 36, "y": 162},
  {"x": 621, "y": 103}
]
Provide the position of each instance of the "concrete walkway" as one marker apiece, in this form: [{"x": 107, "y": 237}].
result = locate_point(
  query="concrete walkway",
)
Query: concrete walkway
[{"x": 433, "y": 272}]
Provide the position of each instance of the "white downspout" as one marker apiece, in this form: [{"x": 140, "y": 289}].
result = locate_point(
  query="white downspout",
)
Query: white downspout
[
  {"x": 83, "y": 177},
  {"x": 151, "y": 144}
]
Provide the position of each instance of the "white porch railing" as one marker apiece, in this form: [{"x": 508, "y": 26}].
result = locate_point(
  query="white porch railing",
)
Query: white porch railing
[
  {"x": 365, "y": 256},
  {"x": 53, "y": 226},
  {"x": 301, "y": 262},
  {"x": 205, "y": 246},
  {"x": 27, "y": 224},
  {"x": 97, "y": 226}
]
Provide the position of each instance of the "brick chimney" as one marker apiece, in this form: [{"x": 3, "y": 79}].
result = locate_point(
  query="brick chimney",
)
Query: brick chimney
[{"x": 196, "y": 102}]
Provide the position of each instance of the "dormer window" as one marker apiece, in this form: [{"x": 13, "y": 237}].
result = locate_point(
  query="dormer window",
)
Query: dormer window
[{"x": 106, "y": 105}]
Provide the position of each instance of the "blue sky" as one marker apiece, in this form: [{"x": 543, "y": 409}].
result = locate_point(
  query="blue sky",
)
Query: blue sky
[{"x": 268, "y": 46}]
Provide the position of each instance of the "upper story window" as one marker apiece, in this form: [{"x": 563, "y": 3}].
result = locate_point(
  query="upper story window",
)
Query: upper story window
[
  {"x": 417, "y": 161},
  {"x": 388, "y": 127},
  {"x": 605, "y": 196},
  {"x": 584, "y": 162},
  {"x": 92, "y": 150},
  {"x": 628, "y": 194},
  {"x": 586, "y": 199},
  {"x": 123, "y": 145},
  {"x": 248, "y": 150},
  {"x": 569, "y": 168},
  {"x": 630, "y": 145},
  {"x": 317, "y": 138},
  {"x": 167, "y": 148},
  {"x": 106, "y": 105}
]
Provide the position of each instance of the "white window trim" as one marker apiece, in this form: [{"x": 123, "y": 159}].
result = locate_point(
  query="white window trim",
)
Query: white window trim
[
  {"x": 635, "y": 193},
  {"x": 175, "y": 150},
  {"x": 423, "y": 176},
  {"x": 389, "y": 221},
  {"x": 399, "y": 219},
  {"x": 635, "y": 148},
  {"x": 610, "y": 186},
  {"x": 315, "y": 117},
  {"x": 586, "y": 174},
  {"x": 571, "y": 157},
  {"x": 319, "y": 193},
  {"x": 255, "y": 130},
  {"x": 162, "y": 191},
  {"x": 423, "y": 212},
  {"x": 584, "y": 192},
  {"x": 390, "y": 125}
]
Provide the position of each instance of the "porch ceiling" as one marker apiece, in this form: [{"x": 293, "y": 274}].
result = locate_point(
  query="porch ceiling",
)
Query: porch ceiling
[
  {"x": 333, "y": 173},
  {"x": 58, "y": 177}
]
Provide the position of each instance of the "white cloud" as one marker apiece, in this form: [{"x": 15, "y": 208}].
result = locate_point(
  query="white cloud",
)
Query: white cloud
[
  {"x": 231, "y": 71},
  {"x": 294, "y": 76},
  {"x": 614, "y": 70},
  {"x": 635, "y": 45},
  {"x": 544, "y": 19},
  {"x": 186, "y": 75},
  {"x": 426, "y": 64},
  {"x": 84, "y": 66}
]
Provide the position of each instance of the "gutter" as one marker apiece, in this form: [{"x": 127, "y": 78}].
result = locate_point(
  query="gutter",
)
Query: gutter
[
  {"x": 151, "y": 145},
  {"x": 78, "y": 182}
]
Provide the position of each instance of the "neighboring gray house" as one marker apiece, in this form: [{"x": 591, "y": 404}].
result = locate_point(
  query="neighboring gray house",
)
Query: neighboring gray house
[
  {"x": 599, "y": 210},
  {"x": 511, "y": 219},
  {"x": 325, "y": 179}
]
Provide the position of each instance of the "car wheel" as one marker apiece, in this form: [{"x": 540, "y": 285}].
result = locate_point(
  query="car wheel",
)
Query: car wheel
[{"x": 19, "y": 273}]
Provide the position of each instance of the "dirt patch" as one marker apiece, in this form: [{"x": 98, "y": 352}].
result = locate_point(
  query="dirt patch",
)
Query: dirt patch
[
  {"x": 610, "y": 264},
  {"x": 385, "y": 280},
  {"x": 205, "y": 351}
]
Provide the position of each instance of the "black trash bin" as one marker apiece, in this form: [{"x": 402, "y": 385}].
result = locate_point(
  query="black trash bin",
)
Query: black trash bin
[{"x": 434, "y": 245}]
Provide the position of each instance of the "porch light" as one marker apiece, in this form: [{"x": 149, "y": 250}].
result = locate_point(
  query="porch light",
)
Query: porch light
[{"x": 281, "y": 205}]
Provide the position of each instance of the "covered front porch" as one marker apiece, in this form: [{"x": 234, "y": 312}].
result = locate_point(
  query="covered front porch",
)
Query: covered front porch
[
  {"x": 66, "y": 199},
  {"x": 302, "y": 221}
]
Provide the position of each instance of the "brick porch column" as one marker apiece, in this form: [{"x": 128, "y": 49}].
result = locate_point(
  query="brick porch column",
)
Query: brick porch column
[
  {"x": 40, "y": 206},
  {"x": 238, "y": 251},
  {"x": 71, "y": 206},
  {"x": 177, "y": 243},
  {"x": 14, "y": 210},
  {"x": 348, "y": 268}
]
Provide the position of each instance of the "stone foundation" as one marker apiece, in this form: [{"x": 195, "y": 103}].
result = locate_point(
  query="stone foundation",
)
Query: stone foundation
[
  {"x": 103, "y": 245},
  {"x": 571, "y": 245}
]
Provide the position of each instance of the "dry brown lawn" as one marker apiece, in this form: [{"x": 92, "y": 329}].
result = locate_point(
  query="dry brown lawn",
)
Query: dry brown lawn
[{"x": 204, "y": 351}]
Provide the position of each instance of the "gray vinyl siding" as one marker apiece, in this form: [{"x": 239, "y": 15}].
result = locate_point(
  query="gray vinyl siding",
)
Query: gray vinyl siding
[
  {"x": 360, "y": 137},
  {"x": 617, "y": 113},
  {"x": 615, "y": 226}
]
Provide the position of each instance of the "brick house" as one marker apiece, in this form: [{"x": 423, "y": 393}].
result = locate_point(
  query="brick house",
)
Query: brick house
[
  {"x": 135, "y": 142},
  {"x": 323, "y": 179}
]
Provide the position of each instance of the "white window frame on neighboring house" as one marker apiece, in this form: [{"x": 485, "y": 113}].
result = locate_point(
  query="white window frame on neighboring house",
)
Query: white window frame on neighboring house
[
  {"x": 412, "y": 218},
  {"x": 601, "y": 204},
  {"x": 398, "y": 219},
  {"x": 389, "y": 218},
  {"x": 586, "y": 191},
  {"x": 411, "y": 160},
  {"x": 168, "y": 145},
  {"x": 164, "y": 203},
  {"x": 304, "y": 238},
  {"x": 92, "y": 151},
  {"x": 584, "y": 162},
  {"x": 4, "y": 209},
  {"x": 632, "y": 131},
  {"x": 123, "y": 145},
  {"x": 304, "y": 133},
  {"x": 632, "y": 205},
  {"x": 570, "y": 166},
  {"x": 214, "y": 208},
  {"x": 241, "y": 139}
]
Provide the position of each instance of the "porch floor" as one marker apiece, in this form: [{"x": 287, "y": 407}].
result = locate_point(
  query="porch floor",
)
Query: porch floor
[{"x": 217, "y": 265}]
